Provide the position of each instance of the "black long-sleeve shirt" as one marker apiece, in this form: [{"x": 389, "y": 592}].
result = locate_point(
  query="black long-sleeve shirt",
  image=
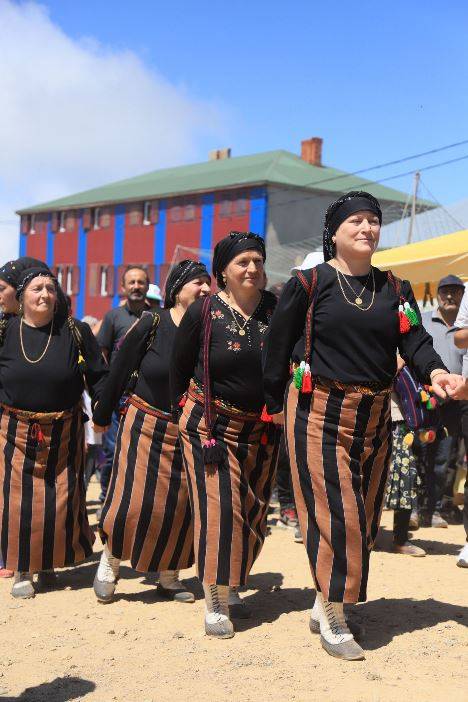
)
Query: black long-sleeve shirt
[
  {"x": 153, "y": 364},
  {"x": 348, "y": 344},
  {"x": 235, "y": 360},
  {"x": 55, "y": 383}
]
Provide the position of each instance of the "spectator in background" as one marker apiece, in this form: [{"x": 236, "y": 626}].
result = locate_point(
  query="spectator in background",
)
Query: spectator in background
[
  {"x": 461, "y": 341},
  {"x": 116, "y": 323},
  {"x": 435, "y": 457},
  {"x": 93, "y": 440}
]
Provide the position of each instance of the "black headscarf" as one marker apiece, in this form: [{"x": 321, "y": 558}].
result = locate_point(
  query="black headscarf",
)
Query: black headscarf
[
  {"x": 232, "y": 245},
  {"x": 341, "y": 209},
  {"x": 182, "y": 273},
  {"x": 11, "y": 271},
  {"x": 30, "y": 273}
]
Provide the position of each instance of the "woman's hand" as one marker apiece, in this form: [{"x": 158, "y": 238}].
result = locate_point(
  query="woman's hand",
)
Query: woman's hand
[
  {"x": 461, "y": 391},
  {"x": 278, "y": 418},
  {"x": 447, "y": 385}
]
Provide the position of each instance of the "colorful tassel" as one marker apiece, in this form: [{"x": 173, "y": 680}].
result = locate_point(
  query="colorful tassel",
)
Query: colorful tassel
[
  {"x": 298, "y": 373},
  {"x": 306, "y": 386},
  {"x": 265, "y": 417},
  {"x": 264, "y": 438},
  {"x": 81, "y": 363},
  {"x": 408, "y": 439},
  {"x": 405, "y": 324},
  {"x": 411, "y": 315},
  {"x": 424, "y": 396}
]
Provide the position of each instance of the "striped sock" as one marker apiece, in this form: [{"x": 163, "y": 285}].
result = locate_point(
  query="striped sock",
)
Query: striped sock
[{"x": 333, "y": 626}]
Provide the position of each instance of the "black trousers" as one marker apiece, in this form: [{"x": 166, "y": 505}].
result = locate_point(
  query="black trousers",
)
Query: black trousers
[
  {"x": 283, "y": 478},
  {"x": 401, "y": 520}
]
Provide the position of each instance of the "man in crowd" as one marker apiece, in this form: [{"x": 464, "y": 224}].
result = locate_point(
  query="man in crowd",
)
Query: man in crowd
[
  {"x": 116, "y": 323},
  {"x": 436, "y": 456},
  {"x": 461, "y": 340}
]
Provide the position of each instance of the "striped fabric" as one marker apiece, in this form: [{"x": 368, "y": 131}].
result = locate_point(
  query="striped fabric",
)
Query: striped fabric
[
  {"x": 230, "y": 503},
  {"x": 146, "y": 517},
  {"x": 339, "y": 444},
  {"x": 43, "y": 518}
]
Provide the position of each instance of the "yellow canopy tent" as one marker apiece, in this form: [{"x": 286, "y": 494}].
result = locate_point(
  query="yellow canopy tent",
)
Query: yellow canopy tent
[{"x": 424, "y": 263}]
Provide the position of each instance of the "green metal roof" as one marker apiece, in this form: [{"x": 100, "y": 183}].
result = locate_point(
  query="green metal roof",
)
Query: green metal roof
[{"x": 271, "y": 167}]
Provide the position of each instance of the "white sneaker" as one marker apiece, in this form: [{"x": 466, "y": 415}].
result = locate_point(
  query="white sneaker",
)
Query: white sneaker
[
  {"x": 462, "y": 560},
  {"x": 106, "y": 577}
]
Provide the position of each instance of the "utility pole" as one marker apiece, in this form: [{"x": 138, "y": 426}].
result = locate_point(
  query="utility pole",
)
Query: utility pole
[{"x": 417, "y": 177}]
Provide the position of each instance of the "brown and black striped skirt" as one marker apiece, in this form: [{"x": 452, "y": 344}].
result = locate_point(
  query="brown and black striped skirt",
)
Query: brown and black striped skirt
[
  {"x": 229, "y": 503},
  {"x": 146, "y": 516},
  {"x": 43, "y": 517},
  {"x": 339, "y": 445}
]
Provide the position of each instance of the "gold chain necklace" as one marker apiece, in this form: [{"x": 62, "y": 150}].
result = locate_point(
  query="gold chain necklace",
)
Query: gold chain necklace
[
  {"x": 46, "y": 347},
  {"x": 358, "y": 299},
  {"x": 240, "y": 327},
  {"x": 357, "y": 304}
]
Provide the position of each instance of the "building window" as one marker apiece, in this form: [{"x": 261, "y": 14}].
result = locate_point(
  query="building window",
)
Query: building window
[
  {"x": 59, "y": 275},
  {"x": 189, "y": 212},
  {"x": 104, "y": 219},
  {"x": 147, "y": 212},
  {"x": 70, "y": 222},
  {"x": 225, "y": 208},
  {"x": 176, "y": 214},
  {"x": 96, "y": 215},
  {"x": 241, "y": 206},
  {"x": 32, "y": 225},
  {"x": 62, "y": 221},
  {"x": 103, "y": 281}
]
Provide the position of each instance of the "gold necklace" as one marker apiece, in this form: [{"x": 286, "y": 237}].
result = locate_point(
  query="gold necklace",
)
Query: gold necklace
[
  {"x": 356, "y": 304},
  {"x": 358, "y": 300},
  {"x": 46, "y": 347},
  {"x": 240, "y": 328}
]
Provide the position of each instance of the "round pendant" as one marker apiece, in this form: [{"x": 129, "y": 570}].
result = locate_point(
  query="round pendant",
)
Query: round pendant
[
  {"x": 358, "y": 301},
  {"x": 241, "y": 332}
]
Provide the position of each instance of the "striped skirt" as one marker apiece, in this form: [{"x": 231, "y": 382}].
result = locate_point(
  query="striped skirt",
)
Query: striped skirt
[
  {"x": 146, "y": 517},
  {"x": 229, "y": 503},
  {"x": 43, "y": 519},
  {"x": 339, "y": 444}
]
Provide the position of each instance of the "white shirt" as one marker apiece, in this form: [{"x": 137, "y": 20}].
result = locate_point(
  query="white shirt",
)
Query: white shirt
[{"x": 461, "y": 322}]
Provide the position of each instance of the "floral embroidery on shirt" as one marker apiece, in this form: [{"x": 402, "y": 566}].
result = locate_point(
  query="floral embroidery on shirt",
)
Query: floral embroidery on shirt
[
  {"x": 262, "y": 327},
  {"x": 232, "y": 327},
  {"x": 233, "y": 345},
  {"x": 217, "y": 314}
]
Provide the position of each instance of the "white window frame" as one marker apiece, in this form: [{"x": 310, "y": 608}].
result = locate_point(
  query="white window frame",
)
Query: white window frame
[
  {"x": 32, "y": 224},
  {"x": 59, "y": 275},
  {"x": 62, "y": 221},
  {"x": 96, "y": 216},
  {"x": 147, "y": 212},
  {"x": 69, "y": 285},
  {"x": 103, "y": 282}
]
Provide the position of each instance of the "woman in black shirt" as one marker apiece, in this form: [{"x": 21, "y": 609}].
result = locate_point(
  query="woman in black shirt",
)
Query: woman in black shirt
[
  {"x": 146, "y": 517},
  {"x": 229, "y": 445},
  {"x": 341, "y": 324},
  {"x": 43, "y": 358}
]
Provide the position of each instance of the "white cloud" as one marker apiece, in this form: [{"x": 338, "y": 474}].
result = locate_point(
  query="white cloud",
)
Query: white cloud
[{"x": 75, "y": 114}]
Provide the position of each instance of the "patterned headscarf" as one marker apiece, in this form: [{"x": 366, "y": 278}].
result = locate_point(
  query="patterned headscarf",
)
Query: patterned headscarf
[
  {"x": 11, "y": 272},
  {"x": 182, "y": 273},
  {"x": 28, "y": 275}
]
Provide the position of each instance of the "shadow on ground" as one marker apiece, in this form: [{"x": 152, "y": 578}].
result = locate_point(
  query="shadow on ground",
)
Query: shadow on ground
[{"x": 59, "y": 690}]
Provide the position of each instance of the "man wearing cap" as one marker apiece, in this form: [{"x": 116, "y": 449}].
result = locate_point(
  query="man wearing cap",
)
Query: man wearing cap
[
  {"x": 153, "y": 296},
  {"x": 436, "y": 456}
]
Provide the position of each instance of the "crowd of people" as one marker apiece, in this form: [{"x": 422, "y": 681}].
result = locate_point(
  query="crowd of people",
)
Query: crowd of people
[{"x": 187, "y": 406}]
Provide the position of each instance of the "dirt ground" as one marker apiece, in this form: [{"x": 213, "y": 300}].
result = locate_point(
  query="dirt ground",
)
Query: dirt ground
[{"x": 63, "y": 645}]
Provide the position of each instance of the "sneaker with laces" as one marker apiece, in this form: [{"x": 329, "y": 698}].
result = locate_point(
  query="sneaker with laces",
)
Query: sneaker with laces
[
  {"x": 462, "y": 560},
  {"x": 298, "y": 535},
  {"x": 409, "y": 549},
  {"x": 438, "y": 521},
  {"x": 171, "y": 588},
  {"x": 106, "y": 577},
  {"x": 288, "y": 517},
  {"x": 335, "y": 636}
]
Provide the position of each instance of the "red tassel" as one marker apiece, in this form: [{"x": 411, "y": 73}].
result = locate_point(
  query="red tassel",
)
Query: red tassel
[
  {"x": 264, "y": 438},
  {"x": 265, "y": 417},
  {"x": 182, "y": 401},
  {"x": 405, "y": 324},
  {"x": 306, "y": 388}
]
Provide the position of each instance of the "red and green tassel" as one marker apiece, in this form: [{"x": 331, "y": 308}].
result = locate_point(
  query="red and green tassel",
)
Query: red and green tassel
[
  {"x": 302, "y": 378},
  {"x": 298, "y": 373},
  {"x": 408, "y": 317}
]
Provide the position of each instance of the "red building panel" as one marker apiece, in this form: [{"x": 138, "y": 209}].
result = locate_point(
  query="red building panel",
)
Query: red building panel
[
  {"x": 231, "y": 213},
  {"x": 99, "y": 255},
  {"x": 66, "y": 242},
  {"x": 36, "y": 245},
  {"x": 183, "y": 225},
  {"x": 139, "y": 239}
]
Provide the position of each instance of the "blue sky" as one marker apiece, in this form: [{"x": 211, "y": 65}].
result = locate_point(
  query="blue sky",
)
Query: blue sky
[{"x": 378, "y": 81}]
